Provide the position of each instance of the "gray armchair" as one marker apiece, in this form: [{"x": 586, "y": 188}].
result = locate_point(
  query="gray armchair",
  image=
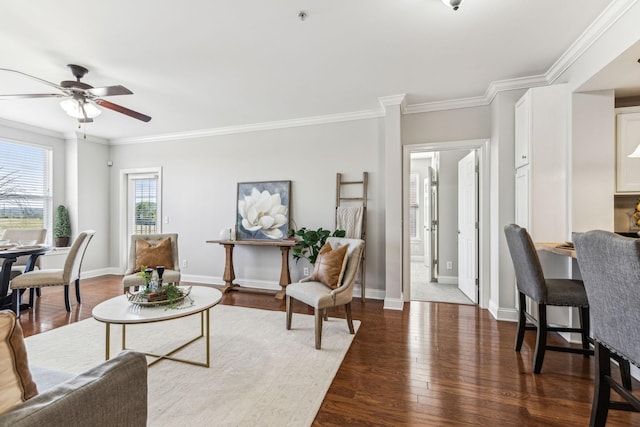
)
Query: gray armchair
[
  {"x": 610, "y": 267},
  {"x": 320, "y": 297},
  {"x": 171, "y": 272},
  {"x": 557, "y": 292}
]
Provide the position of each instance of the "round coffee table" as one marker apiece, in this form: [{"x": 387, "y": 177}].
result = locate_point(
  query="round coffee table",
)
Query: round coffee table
[{"x": 120, "y": 311}]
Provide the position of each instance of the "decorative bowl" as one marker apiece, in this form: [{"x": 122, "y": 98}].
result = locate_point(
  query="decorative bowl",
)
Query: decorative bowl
[
  {"x": 27, "y": 242},
  {"x": 139, "y": 298}
]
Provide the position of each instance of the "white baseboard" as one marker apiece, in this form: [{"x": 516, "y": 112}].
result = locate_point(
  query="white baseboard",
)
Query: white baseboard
[
  {"x": 99, "y": 272},
  {"x": 448, "y": 280},
  {"x": 506, "y": 314},
  {"x": 393, "y": 304},
  {"x": 376, "y": 294}
]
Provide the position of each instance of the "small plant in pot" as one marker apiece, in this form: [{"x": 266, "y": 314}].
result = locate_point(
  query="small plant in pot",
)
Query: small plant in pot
[
  {"x": 62, "y": 227},
  {"x": 311, "y": 241}
]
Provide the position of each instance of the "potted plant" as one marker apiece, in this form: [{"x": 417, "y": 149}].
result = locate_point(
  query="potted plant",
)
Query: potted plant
[
  {"x": 311, "y": 241},
  {"x": 62, "y": 227}
]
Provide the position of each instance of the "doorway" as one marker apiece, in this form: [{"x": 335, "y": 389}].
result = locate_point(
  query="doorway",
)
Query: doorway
[
  {"x": 140, "y": 206},
  {"x": 437, "y": 246},
  {"x": 434, "y": 273}
]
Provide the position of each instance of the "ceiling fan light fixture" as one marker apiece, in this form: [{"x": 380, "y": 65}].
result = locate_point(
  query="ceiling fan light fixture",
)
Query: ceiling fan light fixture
[
  {"x": 454, "y": 4},
  {"x": 75, "y": 108}
]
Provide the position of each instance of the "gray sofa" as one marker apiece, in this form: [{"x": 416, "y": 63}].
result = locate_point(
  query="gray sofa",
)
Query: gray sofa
[{"x": 112, "y": 394}]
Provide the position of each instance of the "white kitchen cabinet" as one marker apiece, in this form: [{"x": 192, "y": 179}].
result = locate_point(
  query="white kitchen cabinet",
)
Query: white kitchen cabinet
[
  {"x": 627, "y": 139},
  {"x": 541, "y": 146}
]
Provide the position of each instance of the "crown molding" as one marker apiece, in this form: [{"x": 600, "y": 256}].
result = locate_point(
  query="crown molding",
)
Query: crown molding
[
  {"x": 30, "y": 128},
  {"x": 80, "y": 136},
  {"x": 394, "y": 100},
  {"x": 451, "y": 104},
  {"x": 598, "y": 27},
  {"x": 256, "y": 127},
  {"x": 514, "y": 84}
]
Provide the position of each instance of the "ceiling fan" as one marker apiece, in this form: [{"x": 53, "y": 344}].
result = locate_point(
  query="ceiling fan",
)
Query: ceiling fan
[{"x": 81, "y": 99}]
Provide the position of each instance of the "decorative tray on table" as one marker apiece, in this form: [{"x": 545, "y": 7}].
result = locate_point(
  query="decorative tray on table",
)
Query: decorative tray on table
[{"x": 154, "y": 298}]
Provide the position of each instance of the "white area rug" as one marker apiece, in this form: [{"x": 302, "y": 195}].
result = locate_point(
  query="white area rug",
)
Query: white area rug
[{"x": 260, "y": 374}]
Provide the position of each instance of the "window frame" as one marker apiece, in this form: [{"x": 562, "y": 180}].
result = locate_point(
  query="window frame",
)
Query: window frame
[{"x": 46, "y": 198}]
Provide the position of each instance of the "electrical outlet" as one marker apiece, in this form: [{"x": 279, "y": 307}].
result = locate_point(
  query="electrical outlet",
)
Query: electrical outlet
[
  {"x": 305, "y": 271},
  {"x": 185, "y": 264},
  {"x": 449, "y": 265}
]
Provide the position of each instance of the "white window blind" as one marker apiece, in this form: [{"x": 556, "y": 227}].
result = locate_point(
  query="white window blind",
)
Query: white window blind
[{"x": 25, "y": 186}]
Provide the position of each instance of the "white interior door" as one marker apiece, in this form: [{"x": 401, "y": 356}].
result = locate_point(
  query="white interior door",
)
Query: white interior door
[
  {"x": 426, "y": 234},
  {"x": 467, "y": 226}
]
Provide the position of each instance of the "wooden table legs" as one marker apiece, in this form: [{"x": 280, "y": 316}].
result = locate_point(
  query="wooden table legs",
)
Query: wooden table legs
[
  {"x": 230, "y": 275},
  {"x": 285, "y": 277}
]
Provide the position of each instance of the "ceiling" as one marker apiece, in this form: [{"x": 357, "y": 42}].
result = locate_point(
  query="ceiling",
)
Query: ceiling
[{"x": 209, "y": 64}]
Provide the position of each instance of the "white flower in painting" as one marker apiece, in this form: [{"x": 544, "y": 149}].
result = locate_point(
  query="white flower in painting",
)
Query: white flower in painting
[{"x": 263, "y": 212}]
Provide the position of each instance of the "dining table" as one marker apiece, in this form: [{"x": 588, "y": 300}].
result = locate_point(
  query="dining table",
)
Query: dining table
[
  {"x": 558, "y": 248},
  {"x": 9, "y": 255}
]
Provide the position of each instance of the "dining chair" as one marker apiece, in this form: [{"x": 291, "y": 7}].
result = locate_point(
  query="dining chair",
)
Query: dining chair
[
  {"x": 317, "y": 292},
  {"x": 545, "y": 292},
  {"x": 65, "y": 276},
  {"x": 610, "y": 268},
  {"x": 152, "y": 250}
]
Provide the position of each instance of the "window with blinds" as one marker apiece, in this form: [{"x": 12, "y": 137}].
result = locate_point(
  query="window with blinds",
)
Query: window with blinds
[
  {"x": 25, "y": 186},
  {"x": 146, "y": 206}
]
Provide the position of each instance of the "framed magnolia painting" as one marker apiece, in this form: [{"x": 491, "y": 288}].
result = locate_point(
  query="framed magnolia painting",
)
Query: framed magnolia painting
[{"x": 263, "y": 210}]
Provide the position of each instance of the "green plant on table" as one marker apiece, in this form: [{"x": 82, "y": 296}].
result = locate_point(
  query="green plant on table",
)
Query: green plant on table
[
  {"x": 171, "y": 293},
  {"x": 311, "y": 241}
]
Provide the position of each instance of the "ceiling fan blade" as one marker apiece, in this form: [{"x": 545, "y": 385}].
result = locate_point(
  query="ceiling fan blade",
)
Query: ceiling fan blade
[
  {"x": 109, "y": 91},
  {"x": 34, "y": 78},
  {"x": 33, "y": 95},
  {"x": 123, "y": 110}
]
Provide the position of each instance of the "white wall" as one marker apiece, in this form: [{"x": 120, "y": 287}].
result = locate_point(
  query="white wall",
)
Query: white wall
[
  {"x": 502, "y": 300},
  {"x": 592, "y": 175},
  {"x": 448, "y": 125},
  {"x": 93, "y": 203},
  {"x": 200, "y": 179}
]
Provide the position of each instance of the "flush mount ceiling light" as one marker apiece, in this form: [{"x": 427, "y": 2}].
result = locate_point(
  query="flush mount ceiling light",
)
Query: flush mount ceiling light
[{"x": 454, "y": 4}]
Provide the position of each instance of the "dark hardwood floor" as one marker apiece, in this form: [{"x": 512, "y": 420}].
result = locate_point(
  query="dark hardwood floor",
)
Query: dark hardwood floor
[{"x": 432, "y": 364}]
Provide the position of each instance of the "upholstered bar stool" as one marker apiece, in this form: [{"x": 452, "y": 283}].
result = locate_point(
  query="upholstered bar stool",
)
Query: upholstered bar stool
[
  {"x": 555, "y": 292},
  {"x": 610, "y": 267}
]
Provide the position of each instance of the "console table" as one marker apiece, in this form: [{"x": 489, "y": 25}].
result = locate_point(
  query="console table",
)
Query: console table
[{"x": 230, "y": 275}]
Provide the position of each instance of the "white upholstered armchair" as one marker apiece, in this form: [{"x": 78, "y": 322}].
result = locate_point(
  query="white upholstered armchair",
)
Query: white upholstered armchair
[
  {"x": 152, "y": 250},
  {"x": 315, "y": 292}
]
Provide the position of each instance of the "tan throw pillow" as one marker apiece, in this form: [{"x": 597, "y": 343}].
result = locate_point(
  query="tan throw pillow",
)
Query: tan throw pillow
[
  {"x": 152, "y": 256},
  {"x": 330, "y": 265},
  {"x": 16, "y": 384}
]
